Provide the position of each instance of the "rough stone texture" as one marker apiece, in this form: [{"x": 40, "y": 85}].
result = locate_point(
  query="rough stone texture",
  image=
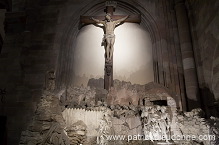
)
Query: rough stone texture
[
  {"x": 127, "y": 125},
  {"x": 125, "y": 93},
  {"x": 214, "y": 123},
  {"x": 56, "y": 123},
  {"x": 47, "y": 126},
  {"x": 44, "y": 41},
  {"x": 193, "y": 123},
  {"x": 78, "y": 97},
  {"x": 94, "y": 83},
  {"x": 204, "y": 20},
  {"x": 77, "y": 132}
]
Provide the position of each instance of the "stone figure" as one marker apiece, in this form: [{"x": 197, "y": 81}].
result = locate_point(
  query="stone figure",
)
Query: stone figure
[
  {"x": 50, "y": 81},
  {"x": 109, "y": 36},
  {"x": 164, "y": 123},
  {"x": 156, "y": 122},
  {"x": 55, "y": 136},
  {"x": 77, "y": 133},
  {"x": 151, "y": 126},
  {"x": 105, "y": 128}
]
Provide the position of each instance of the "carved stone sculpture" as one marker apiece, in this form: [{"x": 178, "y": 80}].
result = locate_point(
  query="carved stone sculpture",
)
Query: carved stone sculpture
[
  {"x": 164, "y": 122},
  {"x": 156, "y": 122},
  {"x": 55, "y": 136},
  {"x": 77, "y": 133},
  {"x": 109, "y": 35},
  {"x": 58, "y": 122},
  {"x": 50, "y": 81},
  {"x": 192, "y": 124},
  {"x": 105, "y": 128}
]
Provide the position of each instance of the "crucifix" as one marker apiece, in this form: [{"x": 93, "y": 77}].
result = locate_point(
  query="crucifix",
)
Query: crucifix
[{"x": 109, "y": 22}]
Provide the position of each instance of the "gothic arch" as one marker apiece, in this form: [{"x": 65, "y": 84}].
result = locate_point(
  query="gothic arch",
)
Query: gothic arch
[{"x": 65, "y": 67}]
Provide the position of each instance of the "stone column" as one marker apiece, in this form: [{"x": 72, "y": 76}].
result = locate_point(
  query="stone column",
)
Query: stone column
[{"x": 190, "y": 74}]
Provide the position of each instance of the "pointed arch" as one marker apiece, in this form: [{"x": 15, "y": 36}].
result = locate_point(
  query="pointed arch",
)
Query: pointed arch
[{"x": 65, "y": 68}]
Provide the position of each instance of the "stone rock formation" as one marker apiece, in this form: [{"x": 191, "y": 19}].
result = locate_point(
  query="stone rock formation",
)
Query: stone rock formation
[
  {"x": 47, "y": 124},
  {"x": 77, "y": 133},
  {"x": 89, "y": 115},
  {"x": 193, "y": 124}
]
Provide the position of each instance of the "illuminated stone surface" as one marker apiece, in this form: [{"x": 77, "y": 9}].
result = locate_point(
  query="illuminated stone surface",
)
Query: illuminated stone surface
[
  {"x": 40, "y": 36},
  {"x": 91, "y": 121}
]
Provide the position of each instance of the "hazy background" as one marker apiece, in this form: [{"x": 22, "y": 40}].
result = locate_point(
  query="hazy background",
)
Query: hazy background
[{"x": 132, "y": 54}]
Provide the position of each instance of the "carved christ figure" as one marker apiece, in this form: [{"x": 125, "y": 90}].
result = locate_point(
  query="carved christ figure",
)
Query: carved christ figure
[{"x": 109, "y": 35}]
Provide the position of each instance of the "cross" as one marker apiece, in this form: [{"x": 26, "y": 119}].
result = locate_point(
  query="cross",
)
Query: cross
[{"x": 110, "y": 8}]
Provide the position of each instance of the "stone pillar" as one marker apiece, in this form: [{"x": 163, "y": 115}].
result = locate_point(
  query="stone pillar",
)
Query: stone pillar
[{"x": 190, "y": 74}]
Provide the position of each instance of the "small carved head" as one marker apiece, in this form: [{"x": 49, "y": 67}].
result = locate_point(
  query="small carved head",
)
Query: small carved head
[
  {"x": 163, "y": 109},
  {"x": 108, "y": 16},
  {"x": 158, "y": 107}
]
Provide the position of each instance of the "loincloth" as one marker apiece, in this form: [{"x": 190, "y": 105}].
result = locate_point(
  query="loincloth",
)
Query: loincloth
[{"x": 105, "y": 36}]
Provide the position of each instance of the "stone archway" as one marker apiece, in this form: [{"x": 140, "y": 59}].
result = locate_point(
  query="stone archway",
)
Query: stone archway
[
  {"x": 132, "y": 55},
  {"x": 167, "y": 64},
  {"x": 70, "y": 37}
]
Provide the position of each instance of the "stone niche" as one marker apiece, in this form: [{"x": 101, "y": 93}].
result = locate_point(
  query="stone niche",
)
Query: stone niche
[{"x": 140, "y": 113}]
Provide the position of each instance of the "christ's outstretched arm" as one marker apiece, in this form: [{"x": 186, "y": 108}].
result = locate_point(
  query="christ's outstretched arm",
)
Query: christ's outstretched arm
[
  {"x": 121, "y": 20},
  {"x": 97, "y": 21}
]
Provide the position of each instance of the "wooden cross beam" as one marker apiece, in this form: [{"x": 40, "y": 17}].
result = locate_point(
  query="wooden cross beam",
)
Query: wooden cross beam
[
  {"x": 130, "y": 19},
  {"x": 110, "y": 8}
]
